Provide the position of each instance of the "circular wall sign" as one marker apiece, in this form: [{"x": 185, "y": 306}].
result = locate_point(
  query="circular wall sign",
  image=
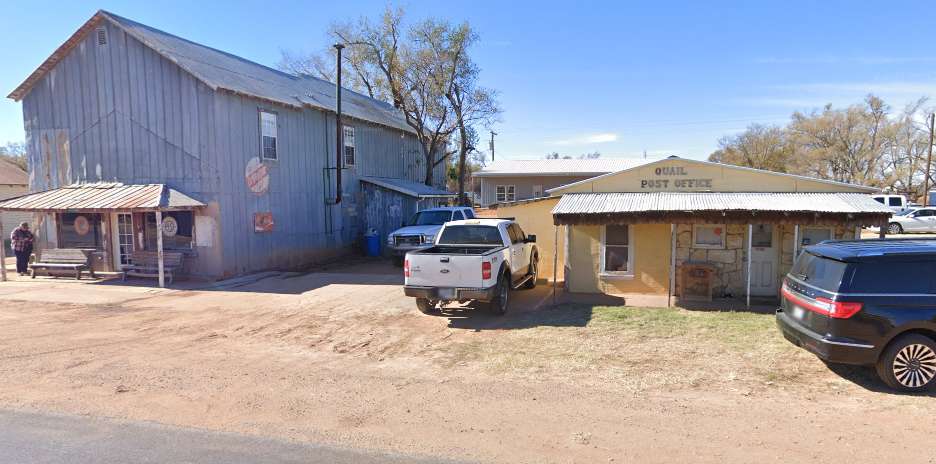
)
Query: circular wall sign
[
  {"x": 82, "y": 226},
  {"x": 257, "y": 176},
  {"x": 169, "y": 226}
]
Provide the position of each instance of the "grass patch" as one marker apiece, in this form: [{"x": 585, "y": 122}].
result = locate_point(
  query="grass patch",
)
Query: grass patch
[{"x": 637, "y": 347}]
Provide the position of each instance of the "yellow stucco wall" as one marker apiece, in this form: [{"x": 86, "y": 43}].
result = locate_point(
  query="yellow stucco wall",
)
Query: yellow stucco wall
[
  {"x": 651, "y": 261},
  {"x": 535, "y": 218},
  {"x": 683, "y": 175}
]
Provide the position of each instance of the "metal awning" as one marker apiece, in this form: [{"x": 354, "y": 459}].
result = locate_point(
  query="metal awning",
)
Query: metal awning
[
  {"x": 104, "y": 197},
  {"x": 738, "y": 207},
  {"x": 407, "y": 187}
]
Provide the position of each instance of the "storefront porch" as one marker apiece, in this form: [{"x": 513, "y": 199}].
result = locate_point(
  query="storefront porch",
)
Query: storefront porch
[
  {"x": 111, "y": 221},
  {"x": 699, "y": 246}
]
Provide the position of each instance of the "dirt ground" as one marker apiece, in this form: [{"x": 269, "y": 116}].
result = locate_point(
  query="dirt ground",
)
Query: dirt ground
[{"x": 342, "y": 357}]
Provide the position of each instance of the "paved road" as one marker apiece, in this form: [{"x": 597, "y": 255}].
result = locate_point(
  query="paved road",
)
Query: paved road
[{"x": 29, "y": 438}]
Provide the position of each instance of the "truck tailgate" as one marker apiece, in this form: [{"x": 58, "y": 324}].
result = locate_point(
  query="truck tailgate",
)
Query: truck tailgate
[{"x": 434, "y": 270}]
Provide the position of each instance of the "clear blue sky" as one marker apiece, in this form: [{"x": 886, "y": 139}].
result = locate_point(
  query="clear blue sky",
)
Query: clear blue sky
[{"x": 574, "y": 77}]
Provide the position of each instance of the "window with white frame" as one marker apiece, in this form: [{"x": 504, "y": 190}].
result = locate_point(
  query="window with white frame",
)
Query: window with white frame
[
  {"x": 505, "y": 193},
  {"x": 617, "y": 253},
  {"x": 267, "y": 135},
  {"x": 348, "y": 146},
  {"x": 708, "y": 236}
]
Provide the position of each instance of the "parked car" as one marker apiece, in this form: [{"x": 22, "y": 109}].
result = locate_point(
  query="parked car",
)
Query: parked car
[
  {"x": 866, "y": 302},
  {"x": 479, "y": 259},
  {"x": 913, "y": 221},
  {"x": 422, "y": 229},
  {"x": 894, "y": 202}
]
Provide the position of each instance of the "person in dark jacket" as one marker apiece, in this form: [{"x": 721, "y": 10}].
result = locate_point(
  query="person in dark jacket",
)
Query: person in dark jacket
[{"x": 21, "y": 240}]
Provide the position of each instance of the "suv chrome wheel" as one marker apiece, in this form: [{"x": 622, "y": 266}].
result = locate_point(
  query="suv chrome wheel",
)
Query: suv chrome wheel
[
  {"x": 894, "y": 229},
  {"x": 909, "y": 363},
  {"x": 915, "y": 366}
]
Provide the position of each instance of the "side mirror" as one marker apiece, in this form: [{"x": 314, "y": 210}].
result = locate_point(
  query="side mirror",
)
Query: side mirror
[{"x": 531, "y": 239}]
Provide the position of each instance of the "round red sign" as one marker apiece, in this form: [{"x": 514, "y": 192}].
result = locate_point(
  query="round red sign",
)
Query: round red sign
[{"x": 257, "y": 176}]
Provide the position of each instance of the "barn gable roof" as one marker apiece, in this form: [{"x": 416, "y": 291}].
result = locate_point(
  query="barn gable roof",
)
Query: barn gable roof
[{"x": 224, "y": 71}]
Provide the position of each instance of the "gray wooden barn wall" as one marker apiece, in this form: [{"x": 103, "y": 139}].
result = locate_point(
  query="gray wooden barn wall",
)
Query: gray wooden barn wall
[
  {"x": 119, "y": 112},
  {"x": 122, "y": 112}
]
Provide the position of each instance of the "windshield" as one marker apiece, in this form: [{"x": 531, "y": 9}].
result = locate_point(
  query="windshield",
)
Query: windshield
[
  {"x": 470, "y": 235},
  {"x": 431, "y": 218}
]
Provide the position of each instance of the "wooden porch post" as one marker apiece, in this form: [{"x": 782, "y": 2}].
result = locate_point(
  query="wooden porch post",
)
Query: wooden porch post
[
  {"x": 795, "y": 241},
  {"x": 555, "y": 261},
  {"x": 882, "y": 232},
  {"x": 750, "y": 237},
  {"x": 672, "y": 272},
  {"x": 3, "y": 277},
  {"x": 159, "y": 249}
]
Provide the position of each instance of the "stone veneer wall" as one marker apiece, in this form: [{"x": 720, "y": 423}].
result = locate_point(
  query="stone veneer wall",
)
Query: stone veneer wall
[{"x": 731, "y": 262}]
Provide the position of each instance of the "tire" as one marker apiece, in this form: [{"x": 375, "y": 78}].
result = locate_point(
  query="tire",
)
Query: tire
[
  {"x": 534, "y": 269},
  {"x": 426, "y": 306},
  {"x": 501, "y": 300},
  {"x": 909, "y": 363},
  {"x": 894, "y": 228}
]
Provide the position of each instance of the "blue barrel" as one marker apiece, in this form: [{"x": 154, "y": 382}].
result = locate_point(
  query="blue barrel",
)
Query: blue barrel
[{"x": 372, "y": 243}]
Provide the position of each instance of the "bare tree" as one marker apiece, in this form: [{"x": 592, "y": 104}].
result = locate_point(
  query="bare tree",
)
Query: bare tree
[
  {"x": 15, "y": 152},
  {"x": 424, "y": 70},
  {"x": 760, "y": 146},
  {"x": 471, "y": 104}
]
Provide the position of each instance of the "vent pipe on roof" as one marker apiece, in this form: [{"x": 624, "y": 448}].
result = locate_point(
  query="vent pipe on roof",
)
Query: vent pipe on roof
[{"x": 339, "y": 130}]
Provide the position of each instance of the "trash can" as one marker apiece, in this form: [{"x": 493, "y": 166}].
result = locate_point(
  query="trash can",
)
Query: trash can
[{"x": 372, "y": 243}]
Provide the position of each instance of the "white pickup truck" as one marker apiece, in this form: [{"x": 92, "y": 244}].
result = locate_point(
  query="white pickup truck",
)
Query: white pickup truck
[{"x": 475, "y": 259}]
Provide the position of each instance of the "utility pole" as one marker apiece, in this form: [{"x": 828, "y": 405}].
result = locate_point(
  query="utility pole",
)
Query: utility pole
[
  {"x": 929, "y": 161},
  {"x": 492, "y": 144}
]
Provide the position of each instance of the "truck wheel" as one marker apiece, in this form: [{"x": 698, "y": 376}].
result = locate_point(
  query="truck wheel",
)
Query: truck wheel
[
  {"x": 909, "y": 363},
  {"x": 425, "y": 305},
  {"x": 533, "y": 271},
  {"x": 502, "y": 298}
]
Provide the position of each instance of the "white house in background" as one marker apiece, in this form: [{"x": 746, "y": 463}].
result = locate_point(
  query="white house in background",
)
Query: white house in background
[
  {"x": 14, "y": 182},
  {"x": 512, "y": 180}
]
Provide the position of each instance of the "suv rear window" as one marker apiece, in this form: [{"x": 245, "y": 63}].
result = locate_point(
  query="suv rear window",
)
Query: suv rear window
[
  {"x": 893, "y": 277},
  {"x": 470, "y": 235},
  {"x": 818, "y": 271}
]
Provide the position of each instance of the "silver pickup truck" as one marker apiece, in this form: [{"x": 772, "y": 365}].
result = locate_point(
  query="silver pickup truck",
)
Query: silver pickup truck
[{"x": 477, "y": 259}]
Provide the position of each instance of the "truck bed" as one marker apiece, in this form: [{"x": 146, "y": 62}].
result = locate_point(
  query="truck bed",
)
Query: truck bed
[{"x": 459, "y": 250}]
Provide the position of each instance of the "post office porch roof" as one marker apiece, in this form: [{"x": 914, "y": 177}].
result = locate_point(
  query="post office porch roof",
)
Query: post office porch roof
[{"x": 718, "y": 207}]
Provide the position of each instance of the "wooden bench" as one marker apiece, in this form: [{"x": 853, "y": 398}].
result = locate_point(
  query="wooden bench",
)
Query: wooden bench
[
  {"x": 62, "y": 259},
  {"x": 146, "y": 264}
]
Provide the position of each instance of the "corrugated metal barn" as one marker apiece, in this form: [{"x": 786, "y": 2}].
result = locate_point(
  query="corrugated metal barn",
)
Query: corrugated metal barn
[{"x": 123, "y": 102}]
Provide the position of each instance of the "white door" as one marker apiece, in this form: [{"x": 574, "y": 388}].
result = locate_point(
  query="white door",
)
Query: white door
[
  {"x": 518, "y": 264},
  {"x": 537, "y": 191},
  {"x": 763, "y": 261},
  {"x": 123, "y": 243}
]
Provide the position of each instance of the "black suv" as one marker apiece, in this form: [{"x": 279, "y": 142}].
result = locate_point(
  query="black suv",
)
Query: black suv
[{"x": 868, "y": 302}]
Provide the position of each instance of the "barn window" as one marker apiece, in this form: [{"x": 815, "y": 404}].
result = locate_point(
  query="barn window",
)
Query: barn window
[
  {"x": 101, "y": 36},
  {"x": 348, "y": 146},
  {"x": 80, "y": 230},
  {"x": 267, "y": 135}
]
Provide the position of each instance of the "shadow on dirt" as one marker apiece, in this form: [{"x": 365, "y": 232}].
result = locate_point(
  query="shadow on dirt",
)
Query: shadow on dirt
[
  {"x": 865, "y": 377},
  {"x": 475, "y": 316},
  {"x": 349, "y": 271}
]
